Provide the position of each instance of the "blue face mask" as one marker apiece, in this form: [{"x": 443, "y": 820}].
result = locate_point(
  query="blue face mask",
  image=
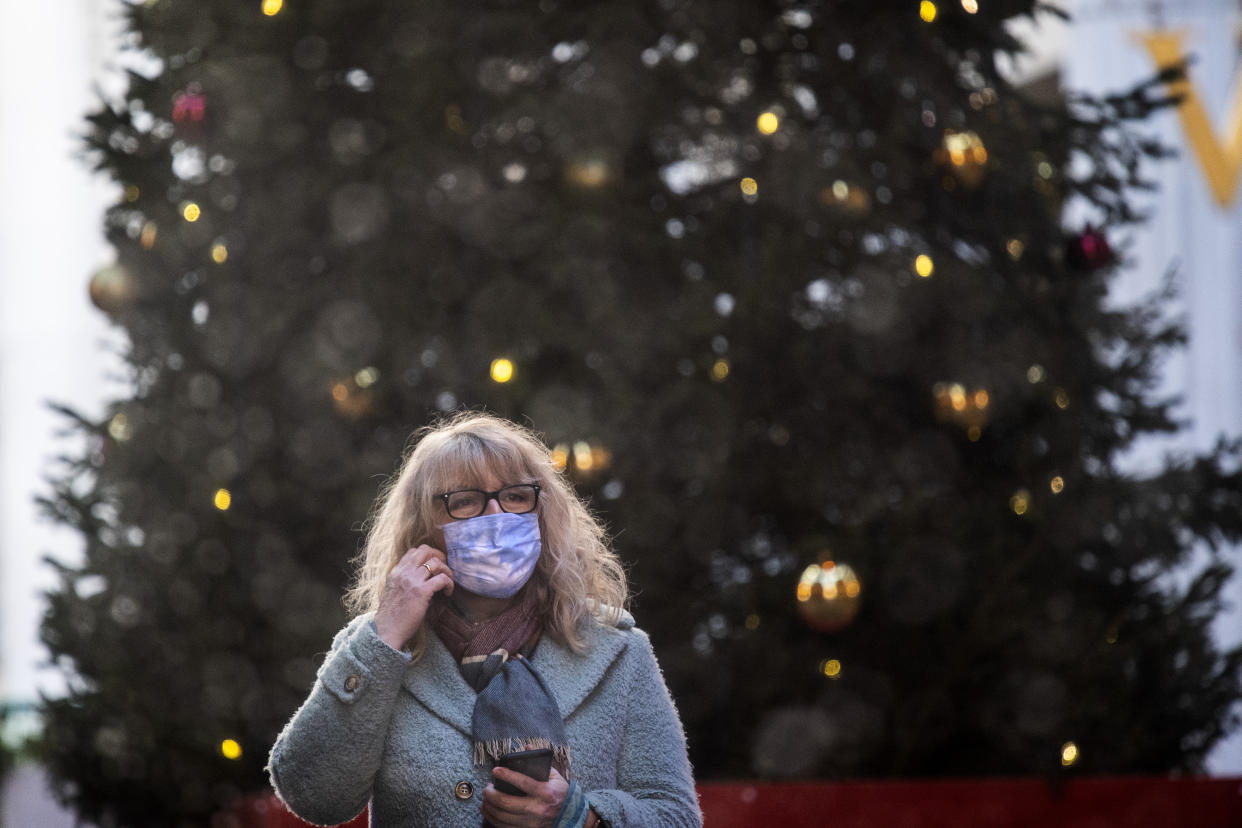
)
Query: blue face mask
[{"x": 493, "y": 555}]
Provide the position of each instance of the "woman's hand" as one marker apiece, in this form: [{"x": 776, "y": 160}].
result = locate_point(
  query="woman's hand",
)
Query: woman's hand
[
  {"x": 420, "y": 574},
  {"x": 538, "y": 809}
]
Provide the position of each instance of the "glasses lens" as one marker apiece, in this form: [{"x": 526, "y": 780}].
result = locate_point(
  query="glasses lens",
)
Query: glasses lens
[
  {"x": 465, "y": 504},
  {"x": 518, "y": 499}
]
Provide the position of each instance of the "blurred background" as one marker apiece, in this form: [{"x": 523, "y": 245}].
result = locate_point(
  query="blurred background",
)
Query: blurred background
[{"x": 899, "y": 344}]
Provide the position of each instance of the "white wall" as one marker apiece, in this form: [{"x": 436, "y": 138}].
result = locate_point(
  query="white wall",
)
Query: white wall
[
  {"x": 1187, "y": 229},
  {"x": 51, "y": 242}
]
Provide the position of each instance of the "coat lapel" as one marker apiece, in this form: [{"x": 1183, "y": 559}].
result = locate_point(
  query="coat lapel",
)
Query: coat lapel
[
  {"x": 571, "y": 676},
  {"x": 436, "y": 681}
]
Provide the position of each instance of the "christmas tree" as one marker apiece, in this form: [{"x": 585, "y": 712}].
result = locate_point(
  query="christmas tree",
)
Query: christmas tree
[{"x": 784, "y": 285}]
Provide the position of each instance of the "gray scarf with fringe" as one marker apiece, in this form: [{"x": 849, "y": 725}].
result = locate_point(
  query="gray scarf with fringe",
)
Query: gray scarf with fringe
[{"x": 514, "y": 710}]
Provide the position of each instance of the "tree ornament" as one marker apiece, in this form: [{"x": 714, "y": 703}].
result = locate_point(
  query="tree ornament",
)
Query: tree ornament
[
  {"x": 968, "y": 407},
  {"x": 1089, "y": 250},
  {"x": 964, "y": 155},
  {"x": 591, "y": 170},
  {"x": 829, "y": 596},
  {"x": 189, "y": 107},
  {"x": 112, "y": 288}
]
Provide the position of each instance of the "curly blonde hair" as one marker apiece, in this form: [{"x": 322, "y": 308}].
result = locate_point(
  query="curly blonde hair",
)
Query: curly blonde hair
[{"x": 578, "y": 573}]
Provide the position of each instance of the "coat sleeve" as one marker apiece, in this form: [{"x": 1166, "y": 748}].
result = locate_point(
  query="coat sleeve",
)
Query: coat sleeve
[
  {"x": 654, "y": 780},
  {"x": 324, "y": 762}
]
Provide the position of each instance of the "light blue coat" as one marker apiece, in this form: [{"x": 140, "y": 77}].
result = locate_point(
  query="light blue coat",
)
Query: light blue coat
[{"x": 378, "y": 728}]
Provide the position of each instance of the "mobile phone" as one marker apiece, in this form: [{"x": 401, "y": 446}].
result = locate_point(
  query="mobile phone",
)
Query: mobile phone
[{"x": 536, "y": 764}]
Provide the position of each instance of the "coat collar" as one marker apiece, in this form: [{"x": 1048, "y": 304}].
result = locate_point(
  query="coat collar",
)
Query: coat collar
[{"x": 435, "y": 680}]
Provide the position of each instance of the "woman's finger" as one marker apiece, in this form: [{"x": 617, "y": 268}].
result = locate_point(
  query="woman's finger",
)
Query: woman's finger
[
  {"x": 441, "y": 581},
  {"x": 424, "y": 553}
]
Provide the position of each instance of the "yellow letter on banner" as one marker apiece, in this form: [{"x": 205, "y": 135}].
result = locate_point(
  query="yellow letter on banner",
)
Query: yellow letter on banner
[{"x": 1221, "y": 160}]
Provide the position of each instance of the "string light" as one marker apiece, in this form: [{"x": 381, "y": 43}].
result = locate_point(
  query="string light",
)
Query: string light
[
  {"x": 219, "y": 253},
  {"x": 119, "y": 428},
  {"x": 367, "y": 376},
  {"x": 1020, "y": 502},
  {"x": 231, "y": 749},
  {"x": 223, "y": 499},
  {"x": 191, "y": 211},
  {"x": 1057, "y": 484},
  {"x": 927, "y": 11},
  {"x": 971, "y": 6},
  {"x": 1069, "y": 754},
  {"x": 768, "y": 123},
  {"x": 749, "y": 186},
  {"x": 831, "y": 668},
  {"x": 502, "y": 370},
  {"x": 720, "y": 370},
  {"x": 272, "y": 7},
  {"x": 924, "y": 266}
]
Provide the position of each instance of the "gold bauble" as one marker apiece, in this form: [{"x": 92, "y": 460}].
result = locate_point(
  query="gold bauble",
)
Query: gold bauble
[
  {"x": 829, "y": 596},
  {"x": 963, "y": 154},
  {"x": 112, "y": 288},
  {"x": 591, "y": 171}
]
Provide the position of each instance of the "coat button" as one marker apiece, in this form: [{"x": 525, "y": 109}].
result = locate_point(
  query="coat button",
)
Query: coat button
[
  {"x": 463, "y": 790},
  {"x": 351, "y": 684}
]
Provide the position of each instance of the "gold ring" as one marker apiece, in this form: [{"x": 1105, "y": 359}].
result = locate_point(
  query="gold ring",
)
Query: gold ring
[{"x": 427, "y": 567}]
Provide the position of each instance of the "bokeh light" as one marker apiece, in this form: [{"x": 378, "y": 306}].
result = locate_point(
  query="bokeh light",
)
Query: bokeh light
[
  {"x": 191, "y": 212},
  {"x": 231, "y": 749},
  {"x": 367, "y": 377},
  {"x": 1020, "y": 502},
  {"x": 768, "y": 123},
  {"x": 502, "y": 370},
  {"x": 720, "y": 370},
  {"x": 219, "y": 253},
  {"x": 749, "y": 186},
  {"x": 1069, "y": 754},
  {"x": 927, "y": 11},
  {"x": 222, "y": 499},
  {"x": 924, "y": 266},
  {"x": 272, "y": 7},
  {"x": 119, "y": 428}
]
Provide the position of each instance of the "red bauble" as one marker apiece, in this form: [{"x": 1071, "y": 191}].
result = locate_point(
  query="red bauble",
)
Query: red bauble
[
  {"x": 1089, "y": 250},
  {"x": 189, "y": 107}
]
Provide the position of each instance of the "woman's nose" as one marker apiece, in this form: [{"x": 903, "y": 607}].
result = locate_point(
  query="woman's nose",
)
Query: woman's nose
[{"x": 492, "y": 507}]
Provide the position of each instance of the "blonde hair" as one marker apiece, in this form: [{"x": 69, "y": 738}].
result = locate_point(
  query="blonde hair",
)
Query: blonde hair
[{"x": 578, "y": 574}]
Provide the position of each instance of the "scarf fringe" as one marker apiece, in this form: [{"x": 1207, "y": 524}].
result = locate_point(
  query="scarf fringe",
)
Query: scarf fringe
[{"x": 488, "y": 753}]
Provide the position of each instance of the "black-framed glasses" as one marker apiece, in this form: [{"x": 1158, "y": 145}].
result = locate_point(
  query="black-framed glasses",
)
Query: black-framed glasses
[{"x": 467, "y": 503}]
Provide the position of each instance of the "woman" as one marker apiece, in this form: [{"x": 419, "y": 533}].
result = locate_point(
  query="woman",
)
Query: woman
[{"x": 489, "y": 623}]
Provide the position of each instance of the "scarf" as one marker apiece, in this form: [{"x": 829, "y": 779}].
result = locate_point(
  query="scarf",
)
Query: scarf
[{"x": 514, "y": 710}]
